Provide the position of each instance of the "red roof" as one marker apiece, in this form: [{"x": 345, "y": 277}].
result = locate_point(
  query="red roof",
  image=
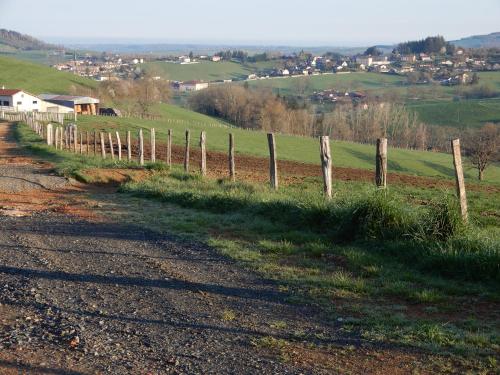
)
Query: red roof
[{"x": 8, "y": 92}]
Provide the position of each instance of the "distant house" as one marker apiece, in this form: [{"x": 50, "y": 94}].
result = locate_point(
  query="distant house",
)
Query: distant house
[
  {"x": 368, "y": 61},
  {"x": 216, "y": 58},
  {"x": 285, "y": 72},
  {"x": 425, "y": 58},
  {"x": 22, "y": 101},
  {"x": 364, "y": 60},
  {"x": 191, "y": 86},
  {"x": 409, "y": 58},
  {"x": 84, "y": 105}
]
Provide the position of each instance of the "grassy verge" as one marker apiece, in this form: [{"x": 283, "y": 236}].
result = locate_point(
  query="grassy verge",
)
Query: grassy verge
[
  {"x": 387, "y": 269},
  {"x": 395, "y": 267}
]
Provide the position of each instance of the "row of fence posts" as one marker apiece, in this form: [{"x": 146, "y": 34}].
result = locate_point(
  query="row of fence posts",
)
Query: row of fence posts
[{"x": 66, "y": 138}]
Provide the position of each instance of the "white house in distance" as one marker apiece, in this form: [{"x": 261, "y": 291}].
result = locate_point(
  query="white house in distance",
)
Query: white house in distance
[
  {"x": 22, "y": 101},
  {"x": 192, "y": 85}
]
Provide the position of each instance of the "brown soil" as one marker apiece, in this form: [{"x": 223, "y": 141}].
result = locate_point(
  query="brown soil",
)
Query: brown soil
[{"x": 256, "y": 169}]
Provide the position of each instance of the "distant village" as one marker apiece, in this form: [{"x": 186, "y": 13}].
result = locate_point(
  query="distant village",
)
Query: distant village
[{"x": 446, "y": 68}]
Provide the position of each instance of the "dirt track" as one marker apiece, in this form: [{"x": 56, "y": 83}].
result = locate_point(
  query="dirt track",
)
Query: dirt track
[{"x": 82, "y": 294}]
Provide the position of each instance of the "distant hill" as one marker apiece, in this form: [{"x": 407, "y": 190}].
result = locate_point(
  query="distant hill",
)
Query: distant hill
[
  {"x": 479, "y": 41},
  {"x": 13, "y": 41},
  {"x": 35, "y": 78}
]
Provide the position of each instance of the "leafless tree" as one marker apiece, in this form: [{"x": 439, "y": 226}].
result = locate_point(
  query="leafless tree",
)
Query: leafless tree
[{"x": 482, "y": 147}]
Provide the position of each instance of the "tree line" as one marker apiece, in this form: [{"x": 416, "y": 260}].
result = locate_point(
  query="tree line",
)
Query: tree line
[{"x": 431, "y": 44}]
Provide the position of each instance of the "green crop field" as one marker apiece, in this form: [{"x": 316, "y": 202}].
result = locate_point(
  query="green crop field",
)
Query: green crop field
[
  {"x": 464, "y": 113},
  {"x": 349, "y": 81},
  {"x": 302, "y": 149},
  {"x": 206, "y": 70},
  {"x": 37, "y": 78}
]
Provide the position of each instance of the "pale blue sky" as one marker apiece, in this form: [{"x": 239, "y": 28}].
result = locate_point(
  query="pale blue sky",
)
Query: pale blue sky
[{"x": 320, "y": 22}]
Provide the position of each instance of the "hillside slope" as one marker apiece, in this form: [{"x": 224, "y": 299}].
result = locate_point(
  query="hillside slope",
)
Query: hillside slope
[
  {"x": 18, "y": 41},
  {"x": 36, "y": 78},
  {"x": 479, "y": 41}
]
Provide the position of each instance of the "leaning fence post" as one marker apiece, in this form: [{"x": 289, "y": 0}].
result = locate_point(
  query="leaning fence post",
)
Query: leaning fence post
[
  {"x": 459, "y": 176},
  {"x": 129, "y": 146},
  {"x": 381, "y": 163},
  {"x": 141, "y": 148},
  {"x": 186, "y": 153},
  {"x": 66, "y": 138},
  {"x": 273, "y": 166},
  {"x": 119, "y": 145},
  {"x": 203, "y": 161},
  {"x": 103, "y": 147},
  {"x": 326, "y": 164},
  {"x": 153, "y": 145},
  {"x": 232, "y": 173},
  {"x": 169, "y": 148},
  {"x": 111, "y": 149}
]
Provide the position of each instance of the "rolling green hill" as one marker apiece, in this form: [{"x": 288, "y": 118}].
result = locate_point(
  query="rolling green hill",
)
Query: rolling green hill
[{"x": 36, "y": 78}]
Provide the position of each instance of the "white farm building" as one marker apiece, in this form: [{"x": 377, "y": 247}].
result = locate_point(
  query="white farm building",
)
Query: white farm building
[{"x": 22, "y": 101}]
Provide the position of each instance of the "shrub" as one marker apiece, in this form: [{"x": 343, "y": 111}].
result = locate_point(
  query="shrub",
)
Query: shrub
[
  {"x": 376, "y": 217},
  {"x": 442, "y": 221}
]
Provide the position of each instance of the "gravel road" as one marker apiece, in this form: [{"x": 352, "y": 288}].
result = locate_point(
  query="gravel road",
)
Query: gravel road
[{"x": 85, "y": 297}]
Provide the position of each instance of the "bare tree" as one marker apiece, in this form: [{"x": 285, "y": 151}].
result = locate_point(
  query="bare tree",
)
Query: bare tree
[{"x": 482, "y": 147}]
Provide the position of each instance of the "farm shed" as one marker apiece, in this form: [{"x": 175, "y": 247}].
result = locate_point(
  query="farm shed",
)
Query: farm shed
[{"x": 83, "y": 105}]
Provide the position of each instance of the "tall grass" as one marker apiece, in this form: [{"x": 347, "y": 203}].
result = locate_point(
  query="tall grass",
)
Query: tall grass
[{"x": 432, "y": 238}]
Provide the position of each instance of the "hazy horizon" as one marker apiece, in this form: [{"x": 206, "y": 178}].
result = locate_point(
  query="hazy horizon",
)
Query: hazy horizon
[{"x": 286, "y": 23}]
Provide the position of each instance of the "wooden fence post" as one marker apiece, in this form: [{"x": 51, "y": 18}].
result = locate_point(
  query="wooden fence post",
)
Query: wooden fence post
[
  {"x": 95, "y": 143},
  {"x": 459, "y": 176},
  {"x": 153, "y": 145},
  {"x": 66, "y": 138},
  {"x": 56, "y": 137},
  {"x": 75, "y": 139},
  {"x": 141, "y": 148},
  {"x": 203, "y": 161},
  {"x": 186, "y": 153},
  {"x": 111, "y": 149},
  {"x": 326, "y": 164},
  {"x": 129, "y": 146},
  {"x": 87, "y": 142},
  {"x": 103, "y": 146},
  {"x": 381, "y": 163},
  {"x": 232, "y": 173},
  {"x": 169, "y": 148},
  {"x": 49, "y": 134},
  {"x": 81, "y": 142},
  {"x": 273, "y": 166},
  {"x": 119, "y": 145}
]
